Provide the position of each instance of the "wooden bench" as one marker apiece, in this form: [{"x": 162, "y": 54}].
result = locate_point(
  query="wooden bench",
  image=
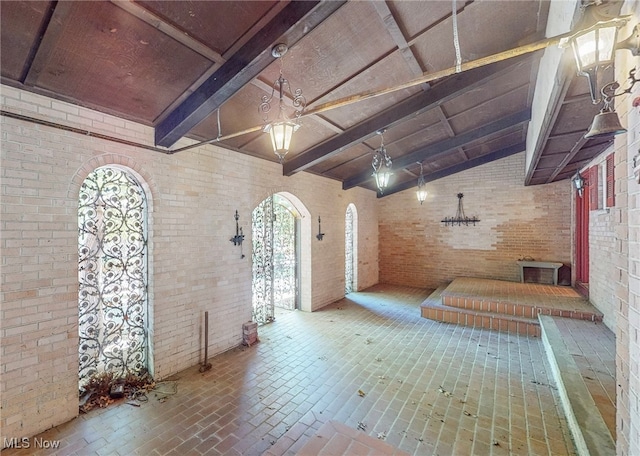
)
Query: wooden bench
[{"x": 541, "y": 265}]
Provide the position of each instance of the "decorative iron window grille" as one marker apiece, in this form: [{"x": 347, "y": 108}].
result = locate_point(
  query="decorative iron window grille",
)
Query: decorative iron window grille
[
  {"x": 112, "y": 274},
  {"x": 274, "y": 258},
  {"x": 349, "y": 251}
]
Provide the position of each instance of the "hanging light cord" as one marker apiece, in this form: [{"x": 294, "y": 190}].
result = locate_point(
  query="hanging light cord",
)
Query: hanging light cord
[
  {"x": 219, "y": 129},
  {"x": 456, "y": 41}
]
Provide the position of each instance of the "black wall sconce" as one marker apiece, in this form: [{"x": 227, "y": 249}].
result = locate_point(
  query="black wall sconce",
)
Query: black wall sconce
[
  {"x": 320, "y": 234},
  {"x": 460, "y": 218},
  {"x": 578, "y": 183},
  {"x": 239, "y": 237}
]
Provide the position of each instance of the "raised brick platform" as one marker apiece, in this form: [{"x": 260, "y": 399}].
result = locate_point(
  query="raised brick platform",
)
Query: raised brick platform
[{"x": 505, "y": 306}]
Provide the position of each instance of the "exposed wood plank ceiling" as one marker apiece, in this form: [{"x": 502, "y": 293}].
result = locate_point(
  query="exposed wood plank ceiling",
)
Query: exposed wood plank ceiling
[{"x": 173, "y": 64}]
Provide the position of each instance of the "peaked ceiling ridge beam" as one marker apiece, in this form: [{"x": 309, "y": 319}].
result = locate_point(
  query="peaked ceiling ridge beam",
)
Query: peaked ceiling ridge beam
[
  {"x": 415, "y": 105},
  {"x": 446, "y": 145},
  {"x": 482, "y": 160},
  {"x": 295, "y": 21}
]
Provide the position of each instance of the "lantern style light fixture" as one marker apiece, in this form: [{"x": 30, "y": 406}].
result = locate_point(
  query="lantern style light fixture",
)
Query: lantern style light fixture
[
  {"x": 593, "y": 49},
  {"x": 578, "y": 183},
  {"x": 281, "y": 129},
  {"x": 381, "y": 164},
  {"x": 422, "y": 191},
  {"x": 595, "y": 42}
]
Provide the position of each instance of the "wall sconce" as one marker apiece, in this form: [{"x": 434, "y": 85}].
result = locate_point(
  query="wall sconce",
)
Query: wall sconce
[
  {"x": 578, "y": 183},
  {"x": 460, "y": 218},
  {"x": 606, "y": 122},
  {"x": 282, "y": 128},
  {"x": 381, "y": 165},
  {"x": 422, "y": 191},
  {"x": 320, "y": 234},
  {"x": 594, "y": 44},
  {"x": 239, "y": 237}
]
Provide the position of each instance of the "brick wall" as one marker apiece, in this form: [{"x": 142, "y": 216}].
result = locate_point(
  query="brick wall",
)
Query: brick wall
[
  {"x": 604, "y": 248},
  {"x": 626, "y": 268},
  {"x": 416, "y": 249},
  {"x": 193, "y": 196},
  {"x": 614, "y": 250}
]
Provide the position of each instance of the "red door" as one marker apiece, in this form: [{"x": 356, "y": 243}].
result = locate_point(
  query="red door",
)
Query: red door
[{"x": 582, "y": 242}]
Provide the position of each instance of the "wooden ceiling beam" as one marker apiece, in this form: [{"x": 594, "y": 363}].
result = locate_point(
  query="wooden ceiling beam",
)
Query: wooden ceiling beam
[
  {"x": 448, "y": 89},
  {"x": 446, "y": 145},
  {"x": 295, "y": 21},
  {"x": 484, "y": 159},
  {"x": 50, "y": 33}
]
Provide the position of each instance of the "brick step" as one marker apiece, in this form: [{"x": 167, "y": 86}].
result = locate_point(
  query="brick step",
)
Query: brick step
[
  {"x": 588, "y": 427},
  {"x": 433, "y": 309},
  {"x": 516, "y": 309}
]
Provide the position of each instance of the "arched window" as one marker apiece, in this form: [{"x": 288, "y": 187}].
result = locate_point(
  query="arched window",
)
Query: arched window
[
  {"x": 112, "y": 274},
  {"x": 351, "y": 250}
]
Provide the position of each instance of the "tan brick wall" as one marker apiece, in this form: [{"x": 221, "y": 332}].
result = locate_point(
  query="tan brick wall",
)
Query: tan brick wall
[
  {"x": 604, "y": 248},
  {"x": 626, "y": 269},
  {"x": 193, "y": 266},
  {"x": 416, "y": 249}
]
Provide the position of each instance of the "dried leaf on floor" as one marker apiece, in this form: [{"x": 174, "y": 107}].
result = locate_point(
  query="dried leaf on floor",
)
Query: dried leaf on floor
[{"x": 445, "y": 392}]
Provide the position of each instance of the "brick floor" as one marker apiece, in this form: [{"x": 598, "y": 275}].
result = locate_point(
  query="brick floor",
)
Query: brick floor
[{"x": 370, "y": 362}]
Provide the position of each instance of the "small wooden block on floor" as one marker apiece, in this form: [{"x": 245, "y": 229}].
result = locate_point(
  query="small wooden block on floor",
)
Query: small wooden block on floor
[{"x": 334, "y": 438}]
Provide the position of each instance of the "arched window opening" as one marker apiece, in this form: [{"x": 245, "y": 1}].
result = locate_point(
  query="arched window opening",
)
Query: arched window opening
[
  {"x": 351, "y": 250},
  {"x": 112, "y": 275},
  {"x": 275, "y": 254}
]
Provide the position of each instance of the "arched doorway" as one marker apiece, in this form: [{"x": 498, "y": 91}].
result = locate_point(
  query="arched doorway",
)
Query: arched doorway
[
  {"x": 351, "y": 250},
  {"x": 112, "y": 274},
  {"x": 275, "y": 257}
]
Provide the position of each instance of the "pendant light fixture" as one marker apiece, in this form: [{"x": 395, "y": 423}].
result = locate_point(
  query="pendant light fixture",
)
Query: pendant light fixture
[
  {"x": 422, "y": 191},
  {"x": 281, "y": 129},
  {"x": 381, "y": 164}
]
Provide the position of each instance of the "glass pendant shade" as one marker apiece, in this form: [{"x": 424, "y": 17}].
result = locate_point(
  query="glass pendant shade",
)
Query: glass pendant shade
[
  {"x": 593, "y": 49},
  {"x": 383, "y": 177},
  {"x": 381, "y": 165},
  {"x": 421, "y": 194},
  {"x": 281, "y": 133}
]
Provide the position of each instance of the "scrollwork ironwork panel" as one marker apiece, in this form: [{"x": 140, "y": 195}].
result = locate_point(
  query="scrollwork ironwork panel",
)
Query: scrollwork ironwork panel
[
  {"x": 262, "y": 257},
  {"x": 274, "y": 259},
  {"x": 348, "y": 251},
  {"x": 112, "y": 274}
]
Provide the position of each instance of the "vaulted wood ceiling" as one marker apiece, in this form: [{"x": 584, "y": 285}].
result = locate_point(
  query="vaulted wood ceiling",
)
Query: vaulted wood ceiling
[{"x": 183, "y": 67}]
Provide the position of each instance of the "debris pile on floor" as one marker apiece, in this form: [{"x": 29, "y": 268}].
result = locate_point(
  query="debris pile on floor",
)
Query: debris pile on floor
[{"x": 105, "y": 388}]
